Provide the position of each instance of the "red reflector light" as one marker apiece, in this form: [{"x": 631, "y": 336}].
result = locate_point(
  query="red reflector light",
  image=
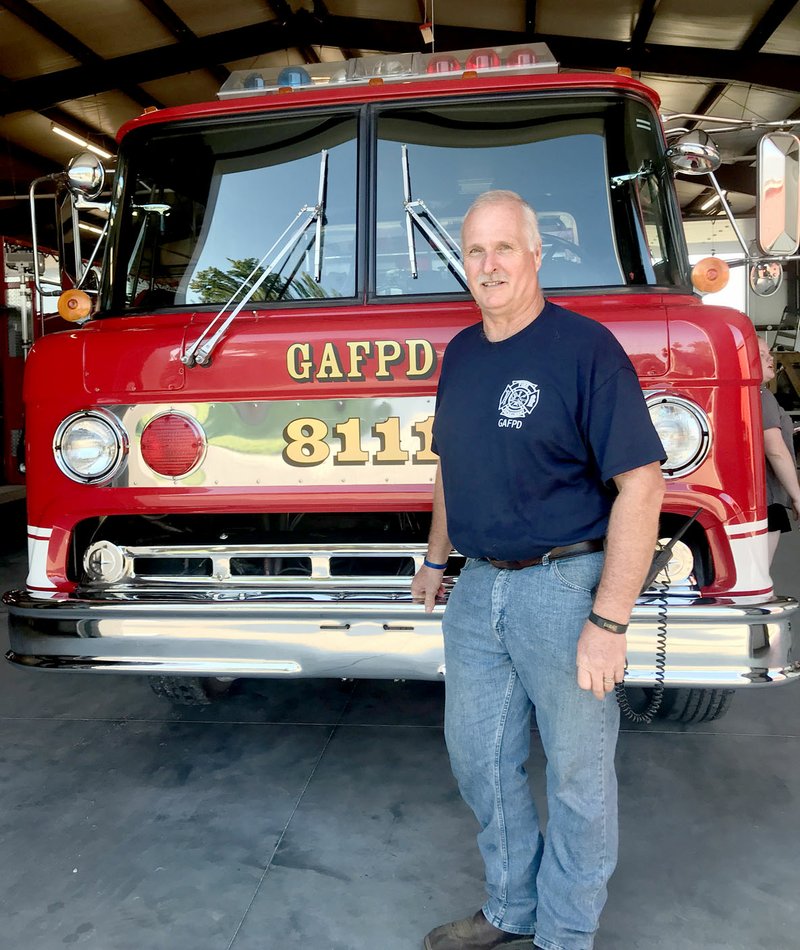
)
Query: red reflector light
[
  {"x": 443, "y": 64},
  {"x": 521, "y": 57},
  {"x": 482, "y": 59},
  {"x": 173, "y": 444}
]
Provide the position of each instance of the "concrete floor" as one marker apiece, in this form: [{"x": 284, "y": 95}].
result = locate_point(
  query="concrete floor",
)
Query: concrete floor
[{"x": 322, "y": 814}]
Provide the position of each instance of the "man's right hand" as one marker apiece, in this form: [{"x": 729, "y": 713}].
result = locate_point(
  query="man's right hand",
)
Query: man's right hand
[{"x": 426, "y": 587}]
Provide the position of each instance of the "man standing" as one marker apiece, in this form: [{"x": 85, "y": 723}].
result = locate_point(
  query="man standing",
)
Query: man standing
[{"x": 549, "y": 482}]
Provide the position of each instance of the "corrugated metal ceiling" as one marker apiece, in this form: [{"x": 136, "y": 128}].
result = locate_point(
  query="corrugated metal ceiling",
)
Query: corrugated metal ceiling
[{"x": 92, "y": 65}]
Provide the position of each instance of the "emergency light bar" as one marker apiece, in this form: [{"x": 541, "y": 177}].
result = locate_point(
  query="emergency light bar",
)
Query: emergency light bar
[{"x": 398, "y": 67}]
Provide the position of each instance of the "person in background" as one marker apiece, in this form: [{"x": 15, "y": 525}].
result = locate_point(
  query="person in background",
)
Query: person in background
[
  {"x": 783, "y": 489},
  {"x": 550, "y": 484}
]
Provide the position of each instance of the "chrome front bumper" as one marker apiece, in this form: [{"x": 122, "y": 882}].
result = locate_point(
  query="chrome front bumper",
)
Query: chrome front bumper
[{"x": 381, "y": 636}]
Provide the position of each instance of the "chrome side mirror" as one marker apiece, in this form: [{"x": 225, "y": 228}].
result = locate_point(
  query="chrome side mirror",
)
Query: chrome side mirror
[
  {"x": 777, "y": 207},
  {"x": 694, "y": 154},
  {"x": 765, "y": 278},
  {"x": 85, "y": 176}
]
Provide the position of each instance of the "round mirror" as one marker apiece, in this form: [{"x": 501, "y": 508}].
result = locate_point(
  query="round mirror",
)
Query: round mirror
[
  {"x": 694, "y": 154},
  {"x": 766, "y": 278},
  {"x": 85, "y": 176}
]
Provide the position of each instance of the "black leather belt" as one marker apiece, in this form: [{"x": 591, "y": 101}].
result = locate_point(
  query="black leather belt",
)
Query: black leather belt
[{"x": 568, "y": 550}]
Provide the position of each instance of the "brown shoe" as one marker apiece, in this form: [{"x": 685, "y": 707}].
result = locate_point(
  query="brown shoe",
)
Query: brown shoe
[{"x": 475, "y": 933}]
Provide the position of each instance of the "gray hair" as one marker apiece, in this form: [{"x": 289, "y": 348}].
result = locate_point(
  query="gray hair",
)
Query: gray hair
[{"x": 501, "y": 196}]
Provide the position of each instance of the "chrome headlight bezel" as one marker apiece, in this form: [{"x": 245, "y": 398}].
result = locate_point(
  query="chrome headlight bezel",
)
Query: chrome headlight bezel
[
  {"x": 117, "y": 444},
  {"x": 695, "y": 416}
]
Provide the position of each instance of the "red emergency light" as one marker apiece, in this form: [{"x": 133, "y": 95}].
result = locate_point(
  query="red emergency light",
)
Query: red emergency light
[{"x": 173, "y": 444}]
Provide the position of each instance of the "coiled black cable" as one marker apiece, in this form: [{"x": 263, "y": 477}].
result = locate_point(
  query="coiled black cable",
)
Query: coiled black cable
[{"x": 647, "y": 715}]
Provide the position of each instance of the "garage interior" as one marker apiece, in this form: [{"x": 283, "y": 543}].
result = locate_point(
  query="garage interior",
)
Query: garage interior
[{"x": 320, "y": 813}]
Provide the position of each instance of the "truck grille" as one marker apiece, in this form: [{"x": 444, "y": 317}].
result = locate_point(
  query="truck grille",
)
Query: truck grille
[{"x": 322, "y": 568}]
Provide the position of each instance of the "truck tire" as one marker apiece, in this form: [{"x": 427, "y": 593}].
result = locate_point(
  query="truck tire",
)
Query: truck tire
[
  {"x": 190, "y": 690},
  {"x": 695, "y": 705}
]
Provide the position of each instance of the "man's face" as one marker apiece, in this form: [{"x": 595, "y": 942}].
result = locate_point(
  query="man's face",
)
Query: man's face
[
  {"x": 767, "y": 363},
  {"x": 502, "y": 270}
]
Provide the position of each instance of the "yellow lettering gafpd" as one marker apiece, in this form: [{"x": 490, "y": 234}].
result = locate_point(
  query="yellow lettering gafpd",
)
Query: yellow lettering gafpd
[
  {"x": 329, "y": 366},
  {"x": 421, "y": 359},
  {"x": 390, "y": 353},
  {"x": 360, "y": 350},
  {"x": 387, "y": 359},
  {"x": 299, "y": 362}
]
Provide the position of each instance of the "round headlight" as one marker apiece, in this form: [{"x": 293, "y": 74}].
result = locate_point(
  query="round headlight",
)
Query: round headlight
[
  {"x": 90, "y": 446},
  {"x": 684, "y": 431}
]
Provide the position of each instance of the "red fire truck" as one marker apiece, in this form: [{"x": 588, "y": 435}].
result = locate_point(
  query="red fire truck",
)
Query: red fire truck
[
  {"x": 25, "y": 315},
  {"x": 230, "y": 463}
]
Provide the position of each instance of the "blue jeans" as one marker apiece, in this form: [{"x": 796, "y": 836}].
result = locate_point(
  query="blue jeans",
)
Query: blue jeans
[{"x": 510, "y": 644}]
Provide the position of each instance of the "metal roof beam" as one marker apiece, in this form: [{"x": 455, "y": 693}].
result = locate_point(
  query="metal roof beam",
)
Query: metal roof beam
[
  {"x": 167, "y": 17},
  {"x": 739, "y": 177},
  {"x": 37, "y": 92},
  {"x": 709, "y": 99},
  {"x": 767, "y": 25},
  {"x": 62, "y": 38},
  {"x": 757, "y": 37},
  {"x": 530, "y": 18},
  {"x": 644, "y": 21},
  {"x": 283, "y": 13}
]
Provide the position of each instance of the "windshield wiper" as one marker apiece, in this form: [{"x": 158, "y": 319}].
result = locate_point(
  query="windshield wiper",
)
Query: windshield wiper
[
  {"x": 199, "y": 353},
  {"x": 417, "y": 212},
  {"x": 646, "y": 169}
]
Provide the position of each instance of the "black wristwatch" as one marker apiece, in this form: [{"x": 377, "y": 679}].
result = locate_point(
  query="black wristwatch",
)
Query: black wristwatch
[{"x": 607, "y": 624}]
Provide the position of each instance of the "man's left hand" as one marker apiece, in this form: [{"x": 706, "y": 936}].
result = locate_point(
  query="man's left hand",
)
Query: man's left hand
[{"x": 601, "y": 659}]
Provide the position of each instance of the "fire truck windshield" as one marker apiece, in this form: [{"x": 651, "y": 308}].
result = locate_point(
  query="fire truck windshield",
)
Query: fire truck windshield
[{"x": 203, "y": 201}]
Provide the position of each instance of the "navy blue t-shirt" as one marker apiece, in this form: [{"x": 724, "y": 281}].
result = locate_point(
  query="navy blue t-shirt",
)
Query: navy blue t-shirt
[{"x": 530, "y": 430}]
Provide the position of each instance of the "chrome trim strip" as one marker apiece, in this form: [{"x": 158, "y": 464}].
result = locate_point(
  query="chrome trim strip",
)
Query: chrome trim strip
[{"x": 381, "y": 635}]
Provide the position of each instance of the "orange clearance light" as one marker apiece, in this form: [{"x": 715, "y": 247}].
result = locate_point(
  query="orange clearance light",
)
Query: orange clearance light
[
  {"x": 710, "y": 275},
  {"x": 482, "y": 59},
  {"x": 624, "y": 71},
  {"x": 173, "y": 444},
  {"x": 74, "y": 305},
  {"x": 443, "y": 64}
]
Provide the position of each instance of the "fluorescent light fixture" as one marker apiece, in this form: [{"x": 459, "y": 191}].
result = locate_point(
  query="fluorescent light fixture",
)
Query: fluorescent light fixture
[
  {"x": 90, "y": 227},
  {"x": 79, "y": 141},
  {"x": 710, "y": 202}
]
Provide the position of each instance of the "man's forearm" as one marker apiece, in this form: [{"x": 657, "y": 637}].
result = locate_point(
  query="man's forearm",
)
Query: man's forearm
[
  {"x": 631, "y": 541},
  {"x": 439, "y": 546}
]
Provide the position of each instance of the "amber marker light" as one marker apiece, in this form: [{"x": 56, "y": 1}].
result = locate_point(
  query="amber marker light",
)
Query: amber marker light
[
  {"x": 74, "y": 305},
  {"x": 710, "y": 275}
]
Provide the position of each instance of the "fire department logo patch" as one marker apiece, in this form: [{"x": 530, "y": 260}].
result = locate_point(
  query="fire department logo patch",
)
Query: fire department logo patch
[{"x": 519, "y": 399}]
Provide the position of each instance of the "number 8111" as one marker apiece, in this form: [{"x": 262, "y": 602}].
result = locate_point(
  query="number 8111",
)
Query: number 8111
[{"x": 307, "y": 442}]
